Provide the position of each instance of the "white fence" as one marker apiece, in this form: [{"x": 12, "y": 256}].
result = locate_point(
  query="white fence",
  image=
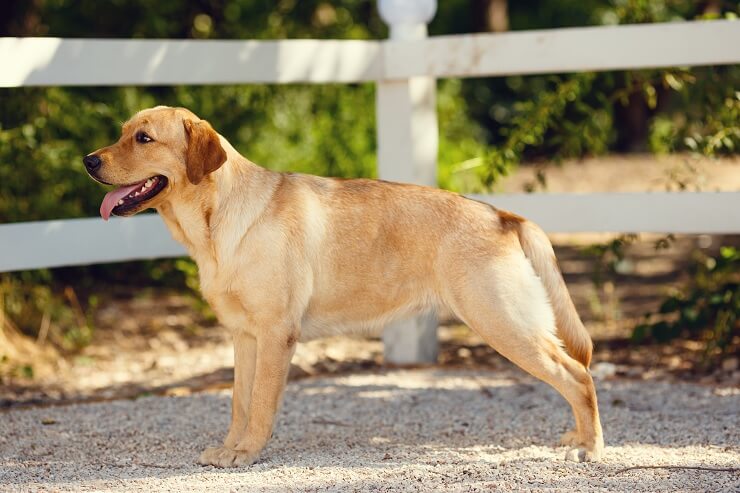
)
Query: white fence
[
  {"x": 107, "y": 62},
  {"x": 407, "y": 133}
]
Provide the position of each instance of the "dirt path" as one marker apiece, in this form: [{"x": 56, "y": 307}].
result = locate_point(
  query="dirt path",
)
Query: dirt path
[{"x": 413, "y": 430}]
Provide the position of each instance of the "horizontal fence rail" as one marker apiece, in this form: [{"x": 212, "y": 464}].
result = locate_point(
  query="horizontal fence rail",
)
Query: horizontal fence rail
[
  {"x": 649, "y": 212},
  {"x": 40, "y": 244},
  {"x": 34, "y": 245},
  {"x": 101, "y": 62},
  {"x": 566, "y": 50},
  {"x": 113, "y": 62}
]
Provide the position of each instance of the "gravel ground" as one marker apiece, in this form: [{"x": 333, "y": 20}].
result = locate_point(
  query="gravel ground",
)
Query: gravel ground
[{"x": 403, "y": 430}]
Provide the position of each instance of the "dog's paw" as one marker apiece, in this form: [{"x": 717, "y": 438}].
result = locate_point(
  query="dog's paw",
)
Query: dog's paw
[
  {"x": 225, "y": 457},
  {"x": 570, "y": 438},
  {"x": 583, "y": 454}
]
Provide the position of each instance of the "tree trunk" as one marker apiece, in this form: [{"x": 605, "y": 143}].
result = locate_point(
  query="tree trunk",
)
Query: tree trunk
[{"x": 491, "y": 15}]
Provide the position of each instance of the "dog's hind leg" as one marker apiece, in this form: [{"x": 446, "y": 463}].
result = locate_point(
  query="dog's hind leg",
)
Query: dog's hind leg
[{"x": 506, "y": 303}]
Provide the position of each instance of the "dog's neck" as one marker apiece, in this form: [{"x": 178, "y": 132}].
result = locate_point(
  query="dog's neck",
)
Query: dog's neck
[{"x": 239, "y": 190}]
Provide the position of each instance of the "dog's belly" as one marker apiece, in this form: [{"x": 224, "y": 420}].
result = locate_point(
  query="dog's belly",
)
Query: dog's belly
[
  {"x": 357, "y": 320},
  {"x": 315, "y": 328}
]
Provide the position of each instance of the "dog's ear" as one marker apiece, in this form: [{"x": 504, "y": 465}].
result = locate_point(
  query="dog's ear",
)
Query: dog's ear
[{"x": 205, "y": 154}]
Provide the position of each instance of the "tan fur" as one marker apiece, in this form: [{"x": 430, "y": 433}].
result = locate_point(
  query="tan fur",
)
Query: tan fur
[
  {"x": 571, "y": 331},
  {"x": 284, "y": 257},
  {"x": 205, "y": 154}
]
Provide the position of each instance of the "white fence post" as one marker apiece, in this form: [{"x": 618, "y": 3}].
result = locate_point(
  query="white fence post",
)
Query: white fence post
[{"x": 407, "y": 152}]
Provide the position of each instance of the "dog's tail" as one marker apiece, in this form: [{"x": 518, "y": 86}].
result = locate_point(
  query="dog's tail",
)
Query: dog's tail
[{"x": 538, "y": 250}]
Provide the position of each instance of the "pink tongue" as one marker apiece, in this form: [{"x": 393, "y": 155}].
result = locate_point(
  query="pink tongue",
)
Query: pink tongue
[{"x": 111, "y": 199}]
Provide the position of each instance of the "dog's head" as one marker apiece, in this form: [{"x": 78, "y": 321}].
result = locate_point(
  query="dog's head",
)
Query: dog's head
[{"x": 161, "y": 150}]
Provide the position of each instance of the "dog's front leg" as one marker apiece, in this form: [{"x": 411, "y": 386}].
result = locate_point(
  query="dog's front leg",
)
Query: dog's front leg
[
  {"x": 245, "y": 355},
  {"x": 274, "y": 351}
]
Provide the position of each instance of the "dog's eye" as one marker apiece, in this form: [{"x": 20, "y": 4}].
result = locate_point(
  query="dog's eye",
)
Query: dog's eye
[{"x": 143, "y": 138}]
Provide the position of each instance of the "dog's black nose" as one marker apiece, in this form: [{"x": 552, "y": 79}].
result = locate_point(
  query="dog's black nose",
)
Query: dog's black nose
[{"x": 92, "y": 162}]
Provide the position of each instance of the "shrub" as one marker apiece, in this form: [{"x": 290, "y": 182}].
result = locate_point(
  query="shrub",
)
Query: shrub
[{"x": 706, "y": 309}]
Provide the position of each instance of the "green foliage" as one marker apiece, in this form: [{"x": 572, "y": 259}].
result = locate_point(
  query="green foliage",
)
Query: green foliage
[
  {"x": 337, "y": 139},
  {"x": 54, "y": 316},
  {"x": 461, "y": 140},
  {"x": 705, "y": 118},
  {"x": 570, "y": 116},
  {"x": 542, "y": 123},
  {"x": 706, "y": 309}
]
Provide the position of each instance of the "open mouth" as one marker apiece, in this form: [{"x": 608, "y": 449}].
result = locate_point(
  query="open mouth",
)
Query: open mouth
[{"x": 127, "y": 199}]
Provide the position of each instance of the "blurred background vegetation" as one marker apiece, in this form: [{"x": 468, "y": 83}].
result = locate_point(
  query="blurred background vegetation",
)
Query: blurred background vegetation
[{"x": 488, "y": 126}]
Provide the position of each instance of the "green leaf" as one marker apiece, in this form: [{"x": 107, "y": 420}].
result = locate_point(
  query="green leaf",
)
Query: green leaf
[
  {"x": 640, "y": 333},
  {"x": 670, "y": 305}
]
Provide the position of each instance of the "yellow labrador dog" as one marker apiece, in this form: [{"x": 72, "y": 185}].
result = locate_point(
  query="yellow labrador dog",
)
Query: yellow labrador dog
[{"x": 285, "y": 257}]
